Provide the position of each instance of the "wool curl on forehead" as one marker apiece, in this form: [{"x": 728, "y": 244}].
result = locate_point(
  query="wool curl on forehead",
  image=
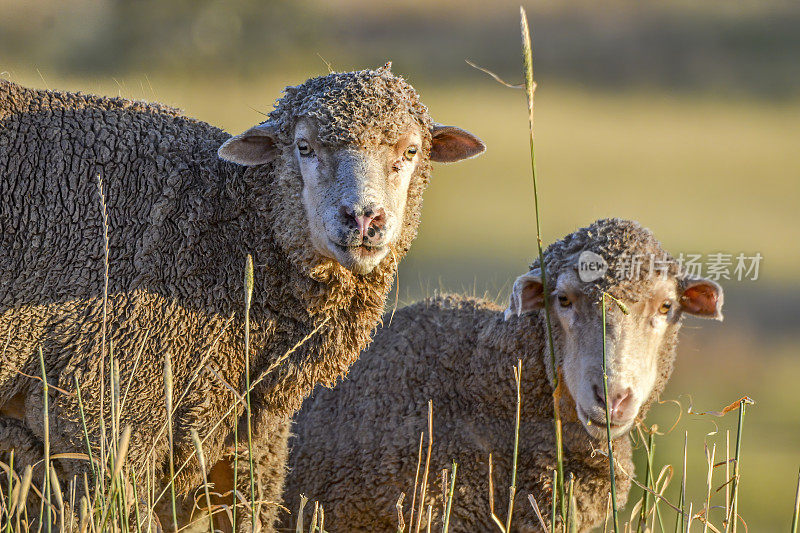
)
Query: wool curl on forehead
[
  {"x": 635, "y": 258},
  {"x": 367, "y": 107}
]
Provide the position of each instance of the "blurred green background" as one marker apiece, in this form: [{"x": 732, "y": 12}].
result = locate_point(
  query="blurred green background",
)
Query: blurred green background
[{"x": 683, "y": 115}]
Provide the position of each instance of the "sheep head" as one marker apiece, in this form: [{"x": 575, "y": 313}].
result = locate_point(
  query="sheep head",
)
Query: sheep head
[
  {"x": 360, "y": 144},
  {"x": 647, "y": 298}
]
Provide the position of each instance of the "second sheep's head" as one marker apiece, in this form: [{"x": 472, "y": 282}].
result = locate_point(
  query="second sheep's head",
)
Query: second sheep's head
[
  {"x": 361, "y": 143},
  {"x": 647, "y": 297}
]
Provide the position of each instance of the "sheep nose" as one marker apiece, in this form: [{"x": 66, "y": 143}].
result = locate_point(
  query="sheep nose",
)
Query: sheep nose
[
  {"x": 621, "y": 399},
  {"x": 368, "y": 221}
]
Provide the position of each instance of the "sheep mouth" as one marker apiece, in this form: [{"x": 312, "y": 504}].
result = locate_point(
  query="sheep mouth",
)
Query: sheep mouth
[
  {"x": 361, "y": 250},
  {"x": 596, "y": 427},
  {"x": 360, "y": 259}
]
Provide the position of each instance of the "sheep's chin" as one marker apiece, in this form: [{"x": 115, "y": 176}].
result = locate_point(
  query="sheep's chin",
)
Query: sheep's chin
[{"x": 358, "y": 259}]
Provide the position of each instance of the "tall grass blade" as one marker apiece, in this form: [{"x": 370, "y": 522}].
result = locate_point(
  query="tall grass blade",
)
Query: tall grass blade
[
  {"x": 736, "y": 479},
  {"x": 648, "y": 482},
  {"x": 512, "y": 491},
  {"x": 13, "y": 493},
  {"x": 614, "y": 508},
  {"x": 796, "y": 515},
  {"x": 248, "y": 296},
  {"x": 299, "y": 526},
  {"x": 236, "y": 473},
  {"x": 424, "y": 487},
  {"x": 493, "y": 516},
  {"x": 450, "y": 499},
  {"x": 168, "y": 399},
  {"x": 48, "y": 524},
  {"x": 85, "y": 429},
  {"x": 571, "y": 525},
  {"x": 727, "y": 522},
  {"x": 530, "y": 88},
  {"x": 416, "y": 480},
  {"x": 538, "y": 511},
  {"x": 554, "y": 506},
  {"x": 104, "y": 213},
  {"x": 201, "y": 459},
  {"x": 709, "y": 482},
  {"x": 56, "y": 486},
  {"x": 680, "y": 521},
  {"x": 430, "y": 519}
]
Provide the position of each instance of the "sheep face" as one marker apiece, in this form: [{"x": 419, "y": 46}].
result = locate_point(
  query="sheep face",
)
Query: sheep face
[
  {"x": 360, "y": 144},
  {"x": 354, "y": 194},
  {"x": 639, "y": 340},
  {"x": 355, "y": 197}
]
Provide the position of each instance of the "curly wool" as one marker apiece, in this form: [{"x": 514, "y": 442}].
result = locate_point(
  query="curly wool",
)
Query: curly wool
[
  {"x": 180, "y": 224},
  {"x": 619, "y": 242},
  {"x": 356, "y": 446},
  {"x": 364, "y": 108}
]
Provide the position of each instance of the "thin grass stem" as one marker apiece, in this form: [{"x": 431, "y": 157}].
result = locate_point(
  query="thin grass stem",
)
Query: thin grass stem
[
  {"x": 48, "y": 524},
  {"x": 248, "y": 296},
  {"x": 168, "y": 399},
  {"x": 648, "y": 482},
  {"x": 736, "y": 473},
  {"x": 236, "y": 469},
  {"x": 512, "y": 492},
  {"x": 530, "y": 88},
  {"x": 416, "y": 480},
  {"x": 201, "y": 459},
  {"x": 450, "y": 499},
  {"x": 424, "y": 488},
  {"x": 614, "y": 508},
  {"x": 679, "y": 523},
  {"x": 796, "y": 514},
  {"x": 709, "y": 482},
  {"x": 11, "y": 495},
  {"x": 553, "y": 506}
]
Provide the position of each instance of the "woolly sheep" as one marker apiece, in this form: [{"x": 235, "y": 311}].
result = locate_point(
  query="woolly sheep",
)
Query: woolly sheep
[
  {"x": 355, "y": 448},
  {"x": 327, "y": 200}
]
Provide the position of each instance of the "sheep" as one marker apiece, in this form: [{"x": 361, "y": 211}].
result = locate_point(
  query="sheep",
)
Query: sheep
[
  {"x": 325, "y": 195},
  {"x": 355, "y": 448}
]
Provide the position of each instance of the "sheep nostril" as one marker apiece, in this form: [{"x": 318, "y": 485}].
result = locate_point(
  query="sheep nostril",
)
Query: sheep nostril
[
  {"x": 622, "y": 403},
  {"x": 379, "y": 218},
  {"x": 599, "y": 396}
]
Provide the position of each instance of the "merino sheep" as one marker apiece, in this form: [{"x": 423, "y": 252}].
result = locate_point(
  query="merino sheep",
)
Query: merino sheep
[
  {"x": 355, "y": 448},
  {"x": 326, "y": 198}
]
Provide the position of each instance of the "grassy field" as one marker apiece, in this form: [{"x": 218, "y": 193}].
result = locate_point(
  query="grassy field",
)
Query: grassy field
[{"x": 707, "y": 174}]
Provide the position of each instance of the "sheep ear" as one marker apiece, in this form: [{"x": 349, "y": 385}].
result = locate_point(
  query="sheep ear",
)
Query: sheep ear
[
  {"x": 256, "y": 146},
  {"x": 527, "y": 295},
  {"x": 702, "y": 297},
  {"x": 451, "y": 144}
]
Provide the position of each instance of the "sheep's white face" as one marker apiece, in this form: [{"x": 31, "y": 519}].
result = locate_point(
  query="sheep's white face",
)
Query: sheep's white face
[
  {"x": 633, "y": 346},
  {"x": 634, "y": 343},
  {"x": 354, "y": 197}
]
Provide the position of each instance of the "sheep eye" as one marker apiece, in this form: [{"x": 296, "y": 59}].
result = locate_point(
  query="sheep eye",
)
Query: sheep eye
[
  {"x": 410, "y": 152},
  {"x": 304, "y": 149},
  {"x": 665, "y": 306},
  {"x": 564, "y": 301}
]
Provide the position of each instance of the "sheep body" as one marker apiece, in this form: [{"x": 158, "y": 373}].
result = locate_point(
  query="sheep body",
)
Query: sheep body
[
  {"x": 356, "y": 445},
  {"x": 180, "y": 224}
]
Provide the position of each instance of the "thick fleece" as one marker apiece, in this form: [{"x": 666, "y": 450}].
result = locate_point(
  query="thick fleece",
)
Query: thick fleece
[
  {"x": 356, "y": 446},
  {"x": 180, "y": 224}
]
